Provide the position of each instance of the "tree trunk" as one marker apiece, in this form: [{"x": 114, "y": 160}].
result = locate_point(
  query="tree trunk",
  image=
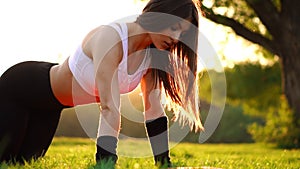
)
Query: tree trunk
[
  {"x": 290, "y": 62},
  {"x": 284, "y": 27},
  {"x": 291, "y": 84}
]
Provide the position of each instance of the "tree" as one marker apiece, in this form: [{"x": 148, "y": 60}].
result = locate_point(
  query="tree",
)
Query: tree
[{"x": 274, "y": 26}]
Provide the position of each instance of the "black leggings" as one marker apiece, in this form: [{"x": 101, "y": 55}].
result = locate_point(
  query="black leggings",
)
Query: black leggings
[{"x": 29, "y": 112}]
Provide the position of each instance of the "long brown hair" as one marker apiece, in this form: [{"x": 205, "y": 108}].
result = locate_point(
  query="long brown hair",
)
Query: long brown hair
[{"x": 176, "y": 69}]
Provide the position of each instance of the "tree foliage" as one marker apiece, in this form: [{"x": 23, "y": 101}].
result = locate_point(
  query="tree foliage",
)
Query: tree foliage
[
  {"x": 273, "y": 25},
  {"x": 250, "y": 85},
  {"x": 279, "y": 127},
  {"x": 254, "y": 86},
  {"x": 252, "y": 90}
]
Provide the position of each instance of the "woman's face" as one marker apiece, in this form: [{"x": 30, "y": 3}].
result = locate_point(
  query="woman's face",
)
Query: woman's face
[{"x": 165, "y": 39}]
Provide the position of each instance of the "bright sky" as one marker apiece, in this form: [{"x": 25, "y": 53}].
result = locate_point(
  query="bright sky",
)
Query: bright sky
[{"x": 50, "y": 30}]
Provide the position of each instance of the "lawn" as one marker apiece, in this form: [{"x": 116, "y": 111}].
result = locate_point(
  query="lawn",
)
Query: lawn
[{"x": 74, "y": 153}]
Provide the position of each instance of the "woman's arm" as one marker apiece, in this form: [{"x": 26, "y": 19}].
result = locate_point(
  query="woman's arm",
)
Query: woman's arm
[
  {"x": 156, "y": 121},
  {"x": 107, "y": 53},
  {"x": 151, "y": 97}
]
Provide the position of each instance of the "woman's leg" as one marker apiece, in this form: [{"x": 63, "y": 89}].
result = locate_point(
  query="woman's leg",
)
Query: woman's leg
[
  {"x": 13, "y": 122},
  {"x": 39, "y": 134},
  {"x": 28, "y": 83},
  {"x": 45, "y": 111},
  {"x": 13, "y": 116}
]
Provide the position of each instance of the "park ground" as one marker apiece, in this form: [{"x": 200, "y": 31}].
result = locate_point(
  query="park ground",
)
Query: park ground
[{"x": 78, "y": 153}]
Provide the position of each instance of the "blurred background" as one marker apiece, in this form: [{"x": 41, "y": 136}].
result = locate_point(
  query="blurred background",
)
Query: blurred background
[{"x": 256, "y": 43}]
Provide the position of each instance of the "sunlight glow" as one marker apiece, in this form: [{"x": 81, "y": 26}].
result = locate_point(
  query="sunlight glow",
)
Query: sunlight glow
[{"x": 50, "y": 30}]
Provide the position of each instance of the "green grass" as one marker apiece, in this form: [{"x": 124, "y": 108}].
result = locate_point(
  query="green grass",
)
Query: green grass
[{"x": 74, "y": 153}]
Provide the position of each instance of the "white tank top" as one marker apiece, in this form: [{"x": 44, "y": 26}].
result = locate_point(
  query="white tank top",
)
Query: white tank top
[{"x": 82, "y": 67}]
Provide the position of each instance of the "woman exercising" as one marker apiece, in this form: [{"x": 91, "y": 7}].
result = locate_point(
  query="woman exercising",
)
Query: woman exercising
[{"x": 157, "y": 51}]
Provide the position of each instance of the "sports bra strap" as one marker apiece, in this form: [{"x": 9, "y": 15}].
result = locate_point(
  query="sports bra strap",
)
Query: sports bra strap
[{"x": 121, "y": 28}]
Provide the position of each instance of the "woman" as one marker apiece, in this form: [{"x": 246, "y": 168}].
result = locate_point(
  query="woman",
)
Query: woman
[{"x": 158, "y": 51}]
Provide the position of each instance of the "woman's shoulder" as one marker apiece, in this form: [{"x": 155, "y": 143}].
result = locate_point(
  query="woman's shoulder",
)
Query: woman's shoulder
[
  {"x": 104, "y": 33},
  {"x": 102, "y": 38}
]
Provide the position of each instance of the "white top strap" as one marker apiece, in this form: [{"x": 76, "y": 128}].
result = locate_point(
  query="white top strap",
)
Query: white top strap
[{"x": 121, "y": 28}]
